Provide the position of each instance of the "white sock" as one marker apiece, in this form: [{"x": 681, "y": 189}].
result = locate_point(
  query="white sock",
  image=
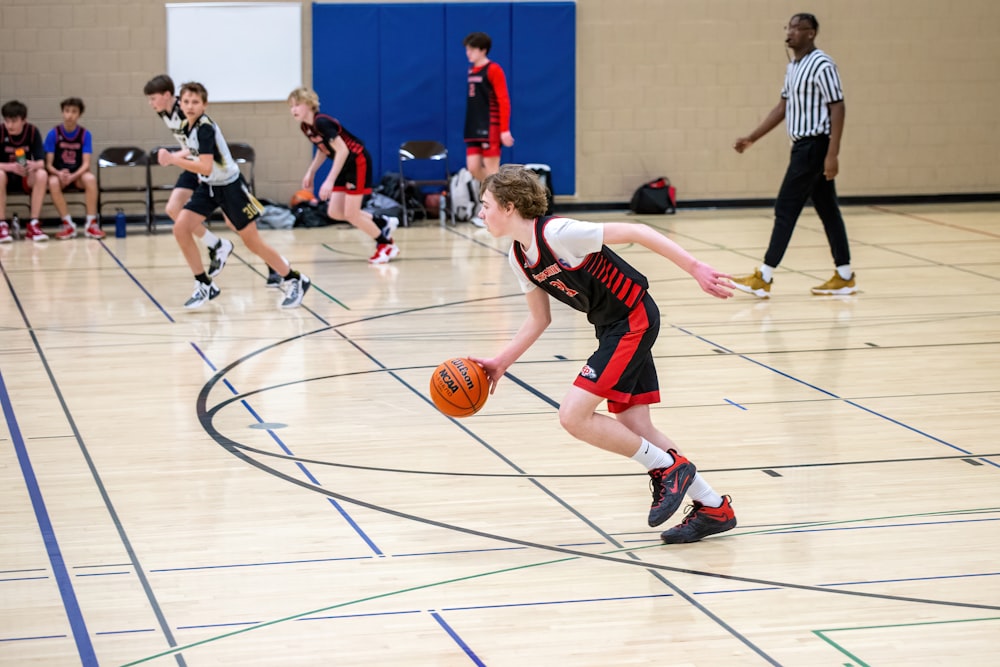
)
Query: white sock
[
  {"x": 844, "y": 271},
  {"x": 703, "y": 493},
  {"x": 91, "y": 219},
  {"x": 68, "y": 219},
  {"x": 652, "y": 456},
  {"x": 209, "y": 239},
  {"x": 766, "y": 272}
]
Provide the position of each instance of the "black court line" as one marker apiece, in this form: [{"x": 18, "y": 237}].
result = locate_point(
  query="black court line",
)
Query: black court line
[{"x": 234, "y": 448}]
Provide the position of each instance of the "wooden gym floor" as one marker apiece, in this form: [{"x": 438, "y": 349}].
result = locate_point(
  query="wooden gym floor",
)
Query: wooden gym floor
[{"x": 242, "y": 485}]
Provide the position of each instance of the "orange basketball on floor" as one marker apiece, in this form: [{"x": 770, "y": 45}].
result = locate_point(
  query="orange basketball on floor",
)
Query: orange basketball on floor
[{"x": 459, "y": 387}]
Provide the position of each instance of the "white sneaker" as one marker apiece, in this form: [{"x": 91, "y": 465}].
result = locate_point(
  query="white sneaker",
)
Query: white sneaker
[
  {"x": 295, "y": 290},
  {"x": 478, "y": 222},
  {"x": 217, "y": 257},
  {"x": 390, "y": 226},
  {"x": 202, "y": 293}
]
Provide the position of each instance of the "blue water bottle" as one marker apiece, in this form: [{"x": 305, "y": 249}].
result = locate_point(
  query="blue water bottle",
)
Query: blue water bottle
[{"x": 120, "y": 224}]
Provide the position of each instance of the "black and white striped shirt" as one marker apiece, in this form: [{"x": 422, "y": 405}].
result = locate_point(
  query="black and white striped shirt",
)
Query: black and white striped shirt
[{"x": 811, "y": 84}]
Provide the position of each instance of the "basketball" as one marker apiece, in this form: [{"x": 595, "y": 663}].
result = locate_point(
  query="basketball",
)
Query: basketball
[
  {"x": 459, "y": 387},
  {"x": 303, "y": 197}
]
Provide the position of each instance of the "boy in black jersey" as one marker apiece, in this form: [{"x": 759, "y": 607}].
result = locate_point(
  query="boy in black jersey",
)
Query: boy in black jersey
[
  {"x": 568, "y": 260},
  {"x": 350, "y": 177},
  {"x": 22, "y": 168}
]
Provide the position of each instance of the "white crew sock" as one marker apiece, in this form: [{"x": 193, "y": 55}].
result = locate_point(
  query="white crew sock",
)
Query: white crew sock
[
  {"x": 844, "y": 271},
  {"x": 766, "y": 272},
  {"x": 652, "y": 456},
  {"x": 209, "y": 239},
  {"x": 703, "y": 493}
]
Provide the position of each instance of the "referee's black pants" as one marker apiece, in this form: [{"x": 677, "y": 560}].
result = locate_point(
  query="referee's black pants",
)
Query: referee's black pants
[{"x": 803, "y": 179}]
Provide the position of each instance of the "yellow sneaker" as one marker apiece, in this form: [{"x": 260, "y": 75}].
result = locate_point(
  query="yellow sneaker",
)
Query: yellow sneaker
[
  {"x": 753, "y": 285},
  {"x": 836, "y": 285}
]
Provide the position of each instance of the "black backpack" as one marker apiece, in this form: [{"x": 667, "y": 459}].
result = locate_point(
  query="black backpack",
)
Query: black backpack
[{"x": 655, "y": 197}]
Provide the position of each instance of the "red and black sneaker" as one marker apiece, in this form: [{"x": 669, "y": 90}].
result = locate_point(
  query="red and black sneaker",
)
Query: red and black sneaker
[
  {"x": 669, "y": 486},
  {"x": 702, "y": 521}
]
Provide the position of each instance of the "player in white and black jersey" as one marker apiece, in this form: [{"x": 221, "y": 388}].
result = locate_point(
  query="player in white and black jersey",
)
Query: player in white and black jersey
[
  {"x": 220, "y": 185},
  {"x": 159, "y": 92},
  {"x": 569, "y": 260},
  {"x": 812, "y": 106}
]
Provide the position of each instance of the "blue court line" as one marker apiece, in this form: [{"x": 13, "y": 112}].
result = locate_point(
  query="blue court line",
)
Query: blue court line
[
  {"x": 72, "y": 606},
  {"x": 458, "y": 640},
  {"x": 305, "y": 471}
]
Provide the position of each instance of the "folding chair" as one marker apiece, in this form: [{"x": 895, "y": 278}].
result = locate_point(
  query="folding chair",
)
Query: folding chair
[
  {"x": 135, "y": 181},
  {"x": 246, "y": 157},
  {"x": 433, "y": 151},
  {"x": 161, "y": 179}
]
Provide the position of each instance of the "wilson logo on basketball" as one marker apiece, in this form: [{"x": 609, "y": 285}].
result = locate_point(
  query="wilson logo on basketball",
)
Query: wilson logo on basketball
[{"x": 464, "y": 370}]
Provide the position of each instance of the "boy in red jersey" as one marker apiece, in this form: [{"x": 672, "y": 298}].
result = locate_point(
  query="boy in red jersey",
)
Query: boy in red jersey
[
  {"x": 350, "y": 178},
  {"x": 568, "y": 260},
  {"x": 68, "y": 150}
]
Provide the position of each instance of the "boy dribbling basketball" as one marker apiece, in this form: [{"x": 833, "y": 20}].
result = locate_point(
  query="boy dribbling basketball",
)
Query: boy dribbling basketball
[{"x": 568, "y": 260}]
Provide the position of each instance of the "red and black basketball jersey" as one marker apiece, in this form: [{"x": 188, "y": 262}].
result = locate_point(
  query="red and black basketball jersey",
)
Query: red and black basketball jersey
[
  {"x": 29, "y": 139},
  {"x": 325, "y": 129},
  {"x": 488, "y": 102},
  {"x": 604, "y": 286},
  {"x": 68, "y": 152}
]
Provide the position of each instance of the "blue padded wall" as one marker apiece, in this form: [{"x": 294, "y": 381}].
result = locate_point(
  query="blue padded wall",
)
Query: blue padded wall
[
  {"x": 396, "y": 72},
  {"x": 544, "y": 72},
  {"x": 346, "y": 73}
]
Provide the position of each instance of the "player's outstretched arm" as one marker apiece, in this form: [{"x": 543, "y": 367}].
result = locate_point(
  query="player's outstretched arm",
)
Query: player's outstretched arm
[{"x": 714, "y": 282}]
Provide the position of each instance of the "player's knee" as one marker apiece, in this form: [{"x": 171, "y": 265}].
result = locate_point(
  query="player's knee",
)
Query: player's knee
[
  {"x": 173, "y": 210},
  {"x": 571, "y": 421}
]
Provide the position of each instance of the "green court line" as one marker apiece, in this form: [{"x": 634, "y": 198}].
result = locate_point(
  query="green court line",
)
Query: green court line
[
  {"x": 339, "y": 605},
  {"x": 435, "y": 584},
  {"x": 821, "y": 633}
]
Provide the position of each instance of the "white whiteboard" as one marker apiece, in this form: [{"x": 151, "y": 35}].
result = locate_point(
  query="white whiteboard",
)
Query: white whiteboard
[{"x": 240, "y": 51}]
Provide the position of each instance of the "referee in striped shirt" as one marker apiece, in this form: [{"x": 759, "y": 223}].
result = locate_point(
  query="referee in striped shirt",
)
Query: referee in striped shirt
[{"x": 812, "y": 106}]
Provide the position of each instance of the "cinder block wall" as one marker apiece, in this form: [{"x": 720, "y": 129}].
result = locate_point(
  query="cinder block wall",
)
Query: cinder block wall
[{"x": 663, "y": 88}]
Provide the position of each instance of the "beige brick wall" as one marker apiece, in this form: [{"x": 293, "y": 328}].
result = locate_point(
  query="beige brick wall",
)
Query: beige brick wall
[{"x": 663, "y": 88}]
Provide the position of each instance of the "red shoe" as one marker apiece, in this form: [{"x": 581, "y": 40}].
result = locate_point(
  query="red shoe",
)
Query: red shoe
[
  {"x": 5, "y": 236},
  {"x": 94, "y": 230},
  {"x": 67, "y": 231},
  {"x": 702, "y": 521},
  {"x": 383, "y": 253},
  {"x": 669, "y": 486},
  {"x": 35, "y": 233}
]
